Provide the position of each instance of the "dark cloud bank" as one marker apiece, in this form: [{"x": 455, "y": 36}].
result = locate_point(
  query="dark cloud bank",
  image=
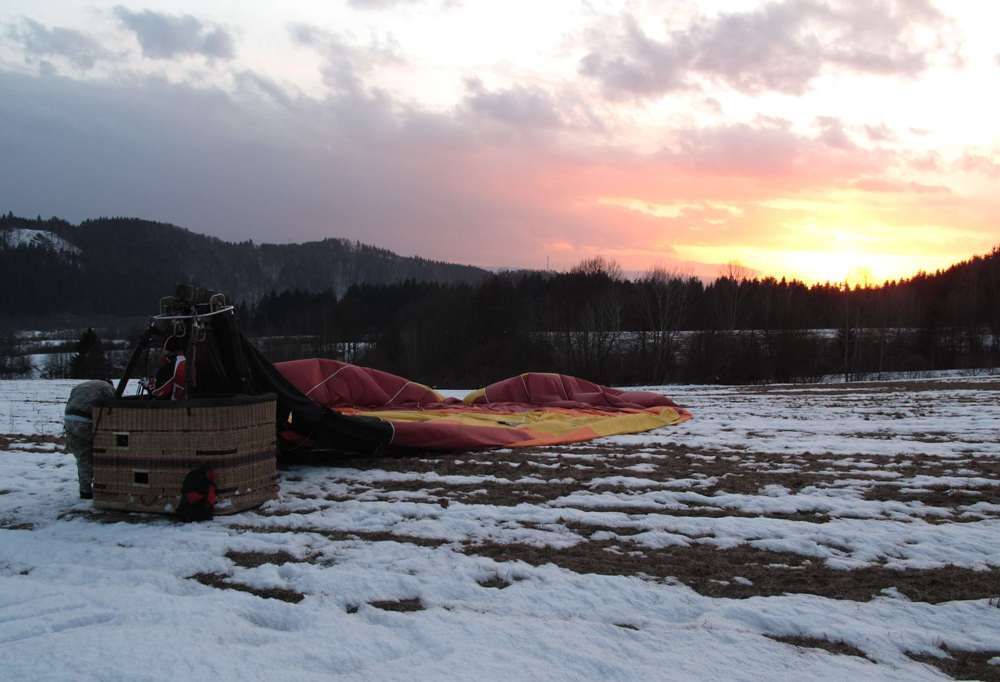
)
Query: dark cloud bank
[{"x": 246, "y": 166}]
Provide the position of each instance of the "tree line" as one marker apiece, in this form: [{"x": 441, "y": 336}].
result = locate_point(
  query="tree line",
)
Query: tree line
[
  {"x": 661, "y": 327},
  {"x": 89, "y": 358},
  {"x": 122, "y": 266}
]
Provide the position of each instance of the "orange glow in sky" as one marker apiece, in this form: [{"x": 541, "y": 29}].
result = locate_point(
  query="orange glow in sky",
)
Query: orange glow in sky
[
  {"x": 827, "y": 140},
  {"x": 843, "y": 237}
]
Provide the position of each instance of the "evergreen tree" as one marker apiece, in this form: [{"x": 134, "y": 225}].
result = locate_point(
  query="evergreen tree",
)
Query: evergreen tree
[
  {"x": 13, "y": 365},
  {"x": 90, "y": 361}
]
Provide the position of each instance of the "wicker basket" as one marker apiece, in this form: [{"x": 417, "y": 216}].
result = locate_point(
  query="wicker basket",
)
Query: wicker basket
[{"x": 143, "y": 449}]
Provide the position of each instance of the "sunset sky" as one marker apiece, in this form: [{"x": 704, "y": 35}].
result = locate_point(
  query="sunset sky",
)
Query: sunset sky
[{"x": 818, "y": 139}]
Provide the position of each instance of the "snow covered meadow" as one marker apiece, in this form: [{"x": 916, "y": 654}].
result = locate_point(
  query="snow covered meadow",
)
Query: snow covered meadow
[{"x": 799, "y": 532}]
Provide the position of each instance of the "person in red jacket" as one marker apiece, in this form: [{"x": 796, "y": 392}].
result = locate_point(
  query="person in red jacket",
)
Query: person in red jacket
[{"x": 169, "y": 383}]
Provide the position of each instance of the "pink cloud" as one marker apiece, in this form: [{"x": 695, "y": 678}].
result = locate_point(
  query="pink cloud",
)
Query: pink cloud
[
  {"x": 897, "y": 186},
  {"x": 781, "y": 46},
  {"x": 971, "y": 162}
]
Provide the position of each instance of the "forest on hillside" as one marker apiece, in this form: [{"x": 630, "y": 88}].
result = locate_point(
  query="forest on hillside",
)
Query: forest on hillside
[
  {"x": 659, "y": 328},
  {"x": 122, "y": 266},
  {"x": 452, "y": 325}
]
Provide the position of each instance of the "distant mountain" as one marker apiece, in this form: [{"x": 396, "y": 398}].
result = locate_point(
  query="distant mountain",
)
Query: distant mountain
[{"x": 122, "y": 266}]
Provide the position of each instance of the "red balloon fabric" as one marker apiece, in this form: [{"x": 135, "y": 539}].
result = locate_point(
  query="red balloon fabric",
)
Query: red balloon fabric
[
  {"x": 338, "y": 384},
  {"x": 529, "y": 409},
  {"x": 561, "y": 390}
]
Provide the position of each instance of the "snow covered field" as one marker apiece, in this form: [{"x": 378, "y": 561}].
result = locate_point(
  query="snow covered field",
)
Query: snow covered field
[{"x": 789, "y": 532}]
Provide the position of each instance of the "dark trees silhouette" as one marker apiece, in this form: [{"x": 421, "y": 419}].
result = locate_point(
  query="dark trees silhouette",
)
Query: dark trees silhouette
[
  {"x": 90, "y": 361},
  {"x": 660, "y": 327},
  {"x": 470, "y": 327}
]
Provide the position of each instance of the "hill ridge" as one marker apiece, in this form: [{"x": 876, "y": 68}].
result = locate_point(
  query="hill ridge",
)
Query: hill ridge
[{"x": 123, "y": 263}]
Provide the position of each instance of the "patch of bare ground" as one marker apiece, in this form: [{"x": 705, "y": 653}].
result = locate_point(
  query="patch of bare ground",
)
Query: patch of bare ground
[
  {"x": 222, "y": 582},
  {"x": 541, "y": 477},
  {"x": 863, "y": 387},
  {"x": 484, "y": 493},
  {"x": 503, "y": 495},
  {"x": 710, "y": 571},
  {"x": 401, "y": 605},
  {"x": 278, "y": 512},
  {"x": 345, "y": 536},
  {"x": 664, "y": 463},
  {"x": 111, "y": 516},
  {"x": 938, "y": 437},
  {"x": 16, "y": 525},
  {"x": 546, "y": 494},
  {"x": 936, "y": 496},
  {"x": 643, "y": 507},
  {"x": 255, "y": 559},
  {"x": 963, "y": 665},
  {"x": 9, "y": 439},
  {"x": 840, "y": 648},
  {"x": 495, "y": 582}
]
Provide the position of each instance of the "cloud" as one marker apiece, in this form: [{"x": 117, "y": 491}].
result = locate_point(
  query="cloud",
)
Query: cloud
[
  {"x": 880, "y": 133},
  {"x": 251, "y": 82},
  {"x": 272, "y": 164},
  {"x": 782, "y": 46},
  {"x": 350, "y": 165},
  {"x": 984, "y": 164},
  {"x": 345, "y": 63},
  {"x": 832, "y": 133},
  {"x": 529, "y": 107},
  {"x": 380, "y": 4},
  {"x": 168, "y": 36},
  {"x": 39, "y": 41},
  {"x": 881, "y": 185},
  {"x": 770, "y": 150},
  {"x": 376, "y": 5},
  {"x": 929, "y": 162}
]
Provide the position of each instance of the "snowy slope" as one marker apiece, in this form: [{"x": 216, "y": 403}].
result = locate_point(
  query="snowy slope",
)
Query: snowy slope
[
  {"x": 15, "y": 237},
  {"x": 864, "y": 515}
]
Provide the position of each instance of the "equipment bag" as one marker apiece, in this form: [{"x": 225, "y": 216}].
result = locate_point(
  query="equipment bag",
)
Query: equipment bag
[{"x": 198, "y": 495}]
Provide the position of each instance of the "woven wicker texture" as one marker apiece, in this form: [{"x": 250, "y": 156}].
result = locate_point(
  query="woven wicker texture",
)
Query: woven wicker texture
[{"x": 142, "y": 455}]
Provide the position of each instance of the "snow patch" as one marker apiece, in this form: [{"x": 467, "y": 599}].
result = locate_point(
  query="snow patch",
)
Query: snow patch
[{"x": 13, "y": 238}]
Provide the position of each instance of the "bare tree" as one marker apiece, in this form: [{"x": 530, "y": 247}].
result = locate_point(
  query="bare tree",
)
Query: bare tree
[
  {"x": 57, "y": 366},
  {"x": 731, "y": 287},
  {"x": 662, "y": 302},
  {"x": 593, "y": 333},
  {"x": 599, "y": 266}
]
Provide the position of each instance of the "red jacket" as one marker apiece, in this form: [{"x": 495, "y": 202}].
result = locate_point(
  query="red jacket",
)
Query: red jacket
[{"x": 174, "y": 386}]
